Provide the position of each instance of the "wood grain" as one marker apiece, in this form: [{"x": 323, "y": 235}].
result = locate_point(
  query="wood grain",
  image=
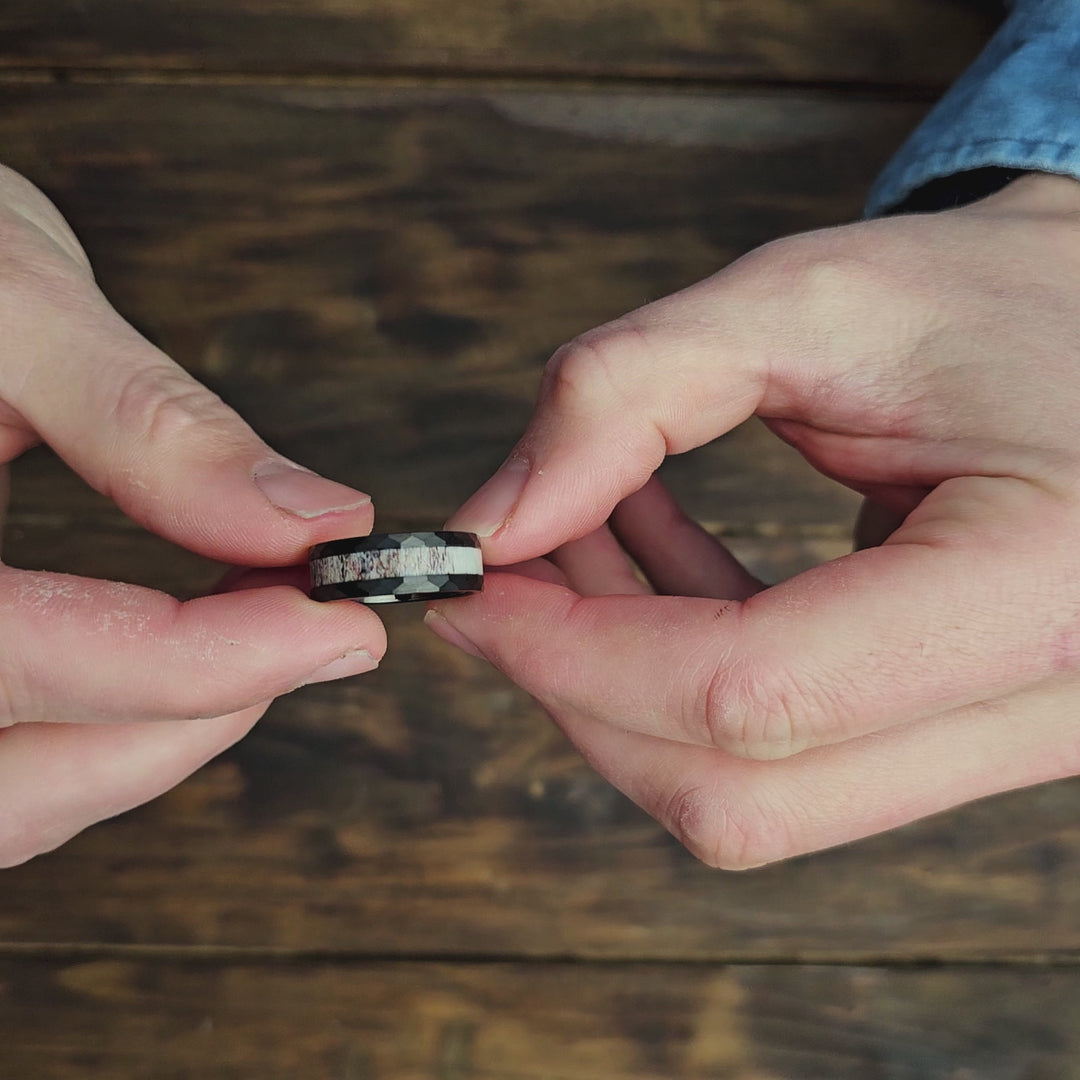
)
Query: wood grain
[
  {"x": 431, "y": 808},
  {"x": 117, "y": 1019},
  {"x": 374, "y": 278},
  {"x": 366, "y": 229},
  {"x": 909, "y": 43},
  {"x": 50, "y": 502}
]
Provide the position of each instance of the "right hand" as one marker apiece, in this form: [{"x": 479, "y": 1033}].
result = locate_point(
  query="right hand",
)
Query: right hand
[
  {"x": 929, "y": 362},
  {"x": 111, "y": 693}
]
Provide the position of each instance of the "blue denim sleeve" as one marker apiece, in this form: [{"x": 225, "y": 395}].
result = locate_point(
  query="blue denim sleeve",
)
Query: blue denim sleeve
[{"x": 1017, "y": 107}]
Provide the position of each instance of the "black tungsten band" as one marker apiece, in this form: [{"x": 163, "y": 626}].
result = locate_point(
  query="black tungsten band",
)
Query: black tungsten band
[{"x": 388, "y": 568}]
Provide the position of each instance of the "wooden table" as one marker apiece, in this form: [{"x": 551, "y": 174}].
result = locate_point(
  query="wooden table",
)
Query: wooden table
[{"x": 366, "y": 223}]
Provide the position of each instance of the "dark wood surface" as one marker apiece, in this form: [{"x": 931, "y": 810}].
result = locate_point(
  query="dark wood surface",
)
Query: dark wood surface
[
  {"x": 410, "y": 874},
  {"x": 380, "y": 301},
  {"x": 908, "y": 43},
  {"x": 139, "y": 1019}
]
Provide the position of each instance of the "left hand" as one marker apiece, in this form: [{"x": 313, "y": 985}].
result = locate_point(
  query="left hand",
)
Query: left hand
[{"x": 112, "y": 693}]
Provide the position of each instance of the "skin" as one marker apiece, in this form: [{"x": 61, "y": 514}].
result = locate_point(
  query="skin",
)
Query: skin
[
  {"x": 111, "y": 693},
  {"x": 931, "y": 363}
]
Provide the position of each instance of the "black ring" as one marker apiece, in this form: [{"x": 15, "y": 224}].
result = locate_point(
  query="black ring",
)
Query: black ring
[{"x": 397, "y": 567}]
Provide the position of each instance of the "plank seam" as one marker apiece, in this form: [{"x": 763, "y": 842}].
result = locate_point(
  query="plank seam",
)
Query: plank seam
[
  {"x": 403, "y": 78},
  {"x": 211, "y": 954},
  {"x": 767, "y": 531}
]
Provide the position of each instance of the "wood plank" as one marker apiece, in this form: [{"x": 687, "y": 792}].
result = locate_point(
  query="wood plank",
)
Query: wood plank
[
  {"x": 431, "y": 808},
  {"x": 747, "y": 487},
  {"x": 120, "y": 1019},
  {"x": 112, "y": 547},
  {"x": 378, "y": 295},
  {"x": 374, "y": 279},
  {"x": 910, "y": 43}
]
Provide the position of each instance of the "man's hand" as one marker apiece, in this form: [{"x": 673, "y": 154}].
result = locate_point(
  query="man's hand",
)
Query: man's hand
[
  {"x": 931, "y": 363},
  {"x": 110, "y": 693}
]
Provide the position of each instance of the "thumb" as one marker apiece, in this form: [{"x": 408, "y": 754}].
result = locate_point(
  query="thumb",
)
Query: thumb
[
  {"x": 613, "y": 404},
  {"x": 166, "y": 449}
]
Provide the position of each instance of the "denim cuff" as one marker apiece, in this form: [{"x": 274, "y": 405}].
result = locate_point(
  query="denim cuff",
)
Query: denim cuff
[{"x": 1016, "y": 108}]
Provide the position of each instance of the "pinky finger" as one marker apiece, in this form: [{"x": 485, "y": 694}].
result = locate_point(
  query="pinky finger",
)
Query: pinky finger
[{"x": 57, "y": 779}]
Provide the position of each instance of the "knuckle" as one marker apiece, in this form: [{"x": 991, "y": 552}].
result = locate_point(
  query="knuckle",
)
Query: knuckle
[
  {"x": 823, "y": 263},
  {"x": 158, "y": 406},
  {"x": 720, "y": 833},
  {"x": 812, "y": 275},
  {"x": 700, "y": 823},
  {"x": 591, "y": 369},
  {"x": 829, "y": 278},
  {"x": 751, "y": 712}
]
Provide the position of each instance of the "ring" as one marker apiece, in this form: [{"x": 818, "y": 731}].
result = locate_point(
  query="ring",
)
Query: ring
[{"x": 397, "y": 568}]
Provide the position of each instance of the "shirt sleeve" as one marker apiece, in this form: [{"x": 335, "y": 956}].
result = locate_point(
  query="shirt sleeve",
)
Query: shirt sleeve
[{"x": 1016, "y": 109}]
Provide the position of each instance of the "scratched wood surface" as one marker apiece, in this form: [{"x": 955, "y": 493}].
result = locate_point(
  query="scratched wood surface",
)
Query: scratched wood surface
[
  {"x": 909, "y": 43},
  {"x": 150, "y": 1020}
]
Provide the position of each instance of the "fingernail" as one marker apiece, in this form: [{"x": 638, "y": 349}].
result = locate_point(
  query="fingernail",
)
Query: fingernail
[
  {"x": 352, "y": 663},
  {"x": 440, "y": 626},
  {"x": 305, "y": 494},
  {"x": 487, "y": 511}
]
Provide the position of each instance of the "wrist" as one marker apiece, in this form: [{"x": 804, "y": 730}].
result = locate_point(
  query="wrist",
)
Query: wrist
[{"x": 1037, "y": 192}]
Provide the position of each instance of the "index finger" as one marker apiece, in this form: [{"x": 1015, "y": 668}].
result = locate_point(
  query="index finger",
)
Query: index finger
[
  {"x": 79, "y": 649},
  {"x": 613, "y": 403}
]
